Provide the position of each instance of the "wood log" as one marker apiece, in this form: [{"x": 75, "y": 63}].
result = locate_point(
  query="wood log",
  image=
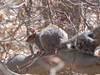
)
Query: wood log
[{"x": 74, "y": 61}]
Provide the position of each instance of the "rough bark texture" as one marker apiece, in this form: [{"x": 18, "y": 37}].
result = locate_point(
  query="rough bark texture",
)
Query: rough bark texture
[
  {"x": 73, "y": 61},
  {"x": 5, "y": 71}
]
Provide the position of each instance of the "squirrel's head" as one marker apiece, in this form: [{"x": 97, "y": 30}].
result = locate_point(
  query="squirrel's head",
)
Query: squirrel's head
[{"x": 32, "y": 37}]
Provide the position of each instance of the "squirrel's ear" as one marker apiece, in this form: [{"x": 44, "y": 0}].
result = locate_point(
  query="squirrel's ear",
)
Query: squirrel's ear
[{"x": 33, "y": 31}]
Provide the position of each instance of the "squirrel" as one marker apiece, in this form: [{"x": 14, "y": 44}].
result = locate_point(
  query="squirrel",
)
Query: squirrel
[
  {"x": 49, "y": 39},
  {"x": 83, "y": 42}
]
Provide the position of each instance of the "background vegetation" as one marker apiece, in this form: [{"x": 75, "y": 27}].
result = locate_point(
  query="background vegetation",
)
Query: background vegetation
[{"x": 19, "y": 17}]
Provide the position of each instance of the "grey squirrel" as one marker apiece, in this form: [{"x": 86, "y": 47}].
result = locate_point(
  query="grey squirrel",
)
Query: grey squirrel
[
  {"x": 85, "y": 42},
  {"x": 92, "y": 41},
  {"x": 50, "y": 39}
]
